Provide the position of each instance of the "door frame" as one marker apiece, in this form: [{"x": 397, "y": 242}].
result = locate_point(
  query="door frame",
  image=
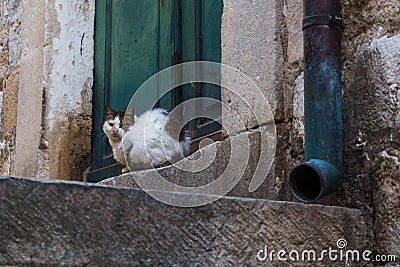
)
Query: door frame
[{"x": 105, "y": 166}]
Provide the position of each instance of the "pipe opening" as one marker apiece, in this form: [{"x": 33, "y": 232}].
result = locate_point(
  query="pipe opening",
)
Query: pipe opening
[
  {"x": 306, "y": 183},
  {"x": 314, "y": 179}
]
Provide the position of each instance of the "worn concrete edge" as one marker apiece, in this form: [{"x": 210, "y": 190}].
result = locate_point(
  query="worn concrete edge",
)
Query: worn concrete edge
[
  {"x": 90, "y": 225},
  {"x": 140, "y": 191},
  {"x": 180, "y": 174}
]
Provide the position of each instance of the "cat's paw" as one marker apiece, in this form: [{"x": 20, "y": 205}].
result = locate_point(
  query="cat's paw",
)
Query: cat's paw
[{"x": 125, "y": 170}]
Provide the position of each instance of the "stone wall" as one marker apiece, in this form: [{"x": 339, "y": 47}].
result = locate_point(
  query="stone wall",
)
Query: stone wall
[
  {"x": 67, "y": 118},
  {"x": 371, "y": 97},
  {"x": 251, "y": 44},
  {"x": 371, "y": 70},
  {"x": 46, "y": 79},
  {"x": 10, "y": 39},
  {"x": 293, "y": 87}
]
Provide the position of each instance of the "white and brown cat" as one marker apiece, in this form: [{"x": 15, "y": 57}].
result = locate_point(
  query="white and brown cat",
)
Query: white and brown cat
[
  {"x": 114, "y": 128},
  {"x": 153, "y": 139}
]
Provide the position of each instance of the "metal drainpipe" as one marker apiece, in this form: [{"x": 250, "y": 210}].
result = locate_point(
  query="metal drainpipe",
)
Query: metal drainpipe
[{"x": 321, "y": 174}]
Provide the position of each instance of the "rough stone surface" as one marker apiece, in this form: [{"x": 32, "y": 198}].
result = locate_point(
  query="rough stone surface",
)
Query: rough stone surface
[
  {"x": 7, "y": 145},
  {"x": 375, "y": 114},
  {"x": 249, "y": 44},
  {"x": 10, "y": 102},
  {"x": 30, "y": 88},
  {"x": 378, "y": 82},
  {"x": 298, "y": 106},
  {"x": 387, "y": 202},
  {"x": 75, "y": 224},
  {"x": 69, "y": 56},
  {"x": 10, "y": 24},
  {"x": 293, "y": 13},
  {"x": 48, "y": 74},
  {"x": 1, "y": 111},
  {"x": 272, "y": 187},
  {"x": 371, "y": 77},
  {"x": 10, "y": 38},
  {"x": 292, "y": 134}
]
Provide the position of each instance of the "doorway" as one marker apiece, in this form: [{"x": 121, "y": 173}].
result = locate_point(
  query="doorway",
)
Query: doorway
[{"x": 136, "y": 39}]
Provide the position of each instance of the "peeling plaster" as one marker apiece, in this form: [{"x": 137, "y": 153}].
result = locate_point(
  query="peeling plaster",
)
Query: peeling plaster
[
  {"x": 68, "y": 74},
  {"x": 71, "y": 60},
  {"x": 12, "y": 17},
  {"x": 11, "y": 11},
  {"x": 298, "y": 105}
]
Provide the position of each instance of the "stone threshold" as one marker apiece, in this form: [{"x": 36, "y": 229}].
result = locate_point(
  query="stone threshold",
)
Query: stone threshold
[{"x": 45, "y": 222}]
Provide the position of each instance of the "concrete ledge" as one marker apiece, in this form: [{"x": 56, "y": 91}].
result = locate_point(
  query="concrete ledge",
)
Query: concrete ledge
[
  {"x": 76, "y": 224},
  {"x": 221, "y": 153}
]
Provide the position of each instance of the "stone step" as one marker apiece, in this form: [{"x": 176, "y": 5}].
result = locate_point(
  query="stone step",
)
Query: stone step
[
  {"x": 76, "y": 224},
  {"x": 241, "y": 154}
]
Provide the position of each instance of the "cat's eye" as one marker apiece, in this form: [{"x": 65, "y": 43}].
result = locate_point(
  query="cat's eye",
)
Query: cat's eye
[{"x": 111, "y": 124}]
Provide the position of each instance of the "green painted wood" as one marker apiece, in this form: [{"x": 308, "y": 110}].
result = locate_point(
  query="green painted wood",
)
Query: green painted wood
[
  {"x": 211, "y": 51},
  {"x": 135, "y": 53},
  {"x": 98, "y": 145},
  {"x": 110, "y": 170},
  {"x": 176, "y": 94},
  {"x": 126, "y": 54},
  {"x": 136, "y": 39},
  {"x": 190, "y": 42},
  {"x": 201, "y": 41},
  {"x": 165, "y": 45}
]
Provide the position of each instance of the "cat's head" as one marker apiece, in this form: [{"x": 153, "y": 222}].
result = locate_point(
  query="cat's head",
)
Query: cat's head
[{"x": 114, "y": 123}]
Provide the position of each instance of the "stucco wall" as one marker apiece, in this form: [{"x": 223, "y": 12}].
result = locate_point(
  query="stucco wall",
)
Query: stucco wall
[
  {"x": 46, "y": 76},
  {"x": 68, "y": 72}
]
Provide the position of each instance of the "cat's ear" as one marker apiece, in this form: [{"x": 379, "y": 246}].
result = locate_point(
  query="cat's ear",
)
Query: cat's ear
[{"x": 109, "y": 110}]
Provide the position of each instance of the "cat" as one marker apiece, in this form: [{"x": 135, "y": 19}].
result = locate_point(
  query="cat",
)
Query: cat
[
  {"x": 155, "y": 139},
  {"x": 114, "y": 128}
]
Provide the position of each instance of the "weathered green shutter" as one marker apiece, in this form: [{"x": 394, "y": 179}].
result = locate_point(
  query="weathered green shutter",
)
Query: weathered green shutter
[
  {"x": 136, "y": 39},
  {"x": 201, "y": 41}
]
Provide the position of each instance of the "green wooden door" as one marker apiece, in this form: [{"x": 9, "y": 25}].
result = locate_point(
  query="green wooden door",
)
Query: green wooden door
[
  {"x": 136, "y": 39},
  {"x": 201, "y": 31}
]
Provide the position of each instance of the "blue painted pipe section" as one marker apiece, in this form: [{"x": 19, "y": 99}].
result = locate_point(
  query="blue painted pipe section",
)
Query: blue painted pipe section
[
  {"x": 314, "y": 179},
  {"x": 322, "y": 28}
]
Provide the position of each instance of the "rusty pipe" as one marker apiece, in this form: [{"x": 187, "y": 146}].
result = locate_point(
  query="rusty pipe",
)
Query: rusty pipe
[{"x": 321, "y": 174}]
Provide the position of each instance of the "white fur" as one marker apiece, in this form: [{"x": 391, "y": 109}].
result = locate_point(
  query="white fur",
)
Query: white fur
[
  {"x": 148, "y": 145},
  {"x": 115, "y": 138}
]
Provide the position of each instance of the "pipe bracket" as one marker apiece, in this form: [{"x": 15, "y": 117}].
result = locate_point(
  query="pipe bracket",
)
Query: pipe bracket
[{"x": 329, "y": 20}]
